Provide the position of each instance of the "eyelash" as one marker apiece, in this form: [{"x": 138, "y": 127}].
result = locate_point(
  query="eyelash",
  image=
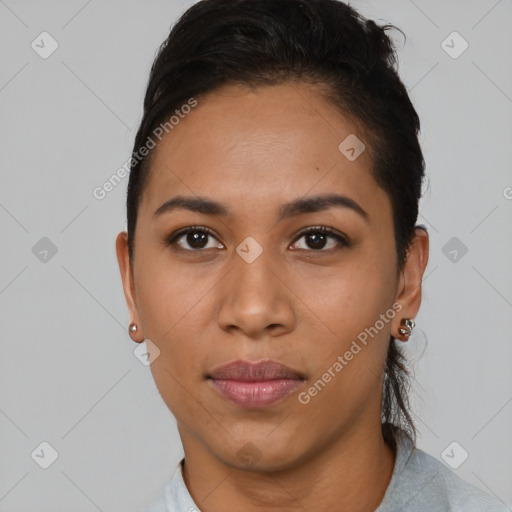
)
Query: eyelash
[{"x": 326, "y": 230}]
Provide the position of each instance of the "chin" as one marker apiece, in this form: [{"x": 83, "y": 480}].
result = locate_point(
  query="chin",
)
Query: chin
[{"x": 260, "y": 454}]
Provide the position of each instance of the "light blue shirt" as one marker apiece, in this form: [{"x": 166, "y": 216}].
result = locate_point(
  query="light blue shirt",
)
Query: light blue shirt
[{"x": 419, "y": 483}]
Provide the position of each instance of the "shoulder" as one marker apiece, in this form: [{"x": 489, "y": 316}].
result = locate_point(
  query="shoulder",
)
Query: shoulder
[
  {"x": 420, "y": 483},
  {"x": 458, "y": 494}
]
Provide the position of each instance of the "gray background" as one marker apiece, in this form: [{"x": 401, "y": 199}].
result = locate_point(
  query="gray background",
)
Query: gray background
[{"x": 68, "y": 374}]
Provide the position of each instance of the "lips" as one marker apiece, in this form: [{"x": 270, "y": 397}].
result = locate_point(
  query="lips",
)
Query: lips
[
  {"x": 245, "y": 371},
  {"x": 255, "y": 385}
]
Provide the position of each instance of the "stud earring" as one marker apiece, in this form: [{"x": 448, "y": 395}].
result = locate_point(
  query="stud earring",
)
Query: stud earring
[
  {"x": 132, "y": 329},
  {"x": 406, "y": 327}
]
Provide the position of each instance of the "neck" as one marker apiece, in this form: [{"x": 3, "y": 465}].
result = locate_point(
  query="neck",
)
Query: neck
[{"x": 351, "y": 473}]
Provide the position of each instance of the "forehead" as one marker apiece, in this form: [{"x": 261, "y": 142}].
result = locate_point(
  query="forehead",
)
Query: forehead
[{"x": 260, "y": 146}]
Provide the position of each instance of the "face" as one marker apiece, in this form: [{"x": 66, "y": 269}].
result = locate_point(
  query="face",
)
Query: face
[{"x": 289, "y": 257}]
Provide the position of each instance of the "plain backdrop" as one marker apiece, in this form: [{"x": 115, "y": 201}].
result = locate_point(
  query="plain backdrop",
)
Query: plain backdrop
[{"x": 68, "y": 373}]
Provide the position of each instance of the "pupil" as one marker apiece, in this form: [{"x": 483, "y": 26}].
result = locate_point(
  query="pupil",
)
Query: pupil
[
  {"x": 317, "y": 239},
  {"x": 197, "y": 240}
]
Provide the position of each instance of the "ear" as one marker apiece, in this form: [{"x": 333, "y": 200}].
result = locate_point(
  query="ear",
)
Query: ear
[
  {"x": 409, "y": 287},
  {"x": 125, "y": 268}
]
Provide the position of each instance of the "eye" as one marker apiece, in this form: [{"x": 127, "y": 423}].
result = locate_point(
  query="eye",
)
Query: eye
[
  {"x": 317, "y": 238},
  {"x": 194, "y": 238}
]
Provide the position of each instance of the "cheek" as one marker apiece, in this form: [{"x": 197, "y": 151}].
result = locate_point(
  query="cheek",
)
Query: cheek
[
  {"x": 347, "y": 298},
  {"x": 344, "y": 307},
  {"x": 169, "y": 298},
  {"x": 349, "y": 359},
  {"x": 175, "y": 312}
]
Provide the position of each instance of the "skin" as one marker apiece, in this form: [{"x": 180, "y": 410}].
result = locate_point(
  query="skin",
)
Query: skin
[{"x": 254, "y": 150}]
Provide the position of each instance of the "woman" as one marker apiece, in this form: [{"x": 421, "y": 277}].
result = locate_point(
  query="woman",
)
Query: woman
[{"x": 273, "y": 265}]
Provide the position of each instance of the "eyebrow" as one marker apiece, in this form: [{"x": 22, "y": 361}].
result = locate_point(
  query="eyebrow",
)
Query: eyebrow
[{"x": 298, "y": 206}]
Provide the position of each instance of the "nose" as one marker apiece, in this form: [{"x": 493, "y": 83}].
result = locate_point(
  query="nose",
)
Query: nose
[{"x": 255, "y": 299}]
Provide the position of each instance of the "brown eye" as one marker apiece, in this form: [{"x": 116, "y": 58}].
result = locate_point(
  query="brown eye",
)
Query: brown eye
[
  {"x": 321, "y": 238},
  {"x": 195, "y": 239}
]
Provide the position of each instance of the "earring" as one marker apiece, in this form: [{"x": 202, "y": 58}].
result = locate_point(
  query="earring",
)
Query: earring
[
  {"x": 132, "y": 329},
  {"x": 407, "y": 325}
]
